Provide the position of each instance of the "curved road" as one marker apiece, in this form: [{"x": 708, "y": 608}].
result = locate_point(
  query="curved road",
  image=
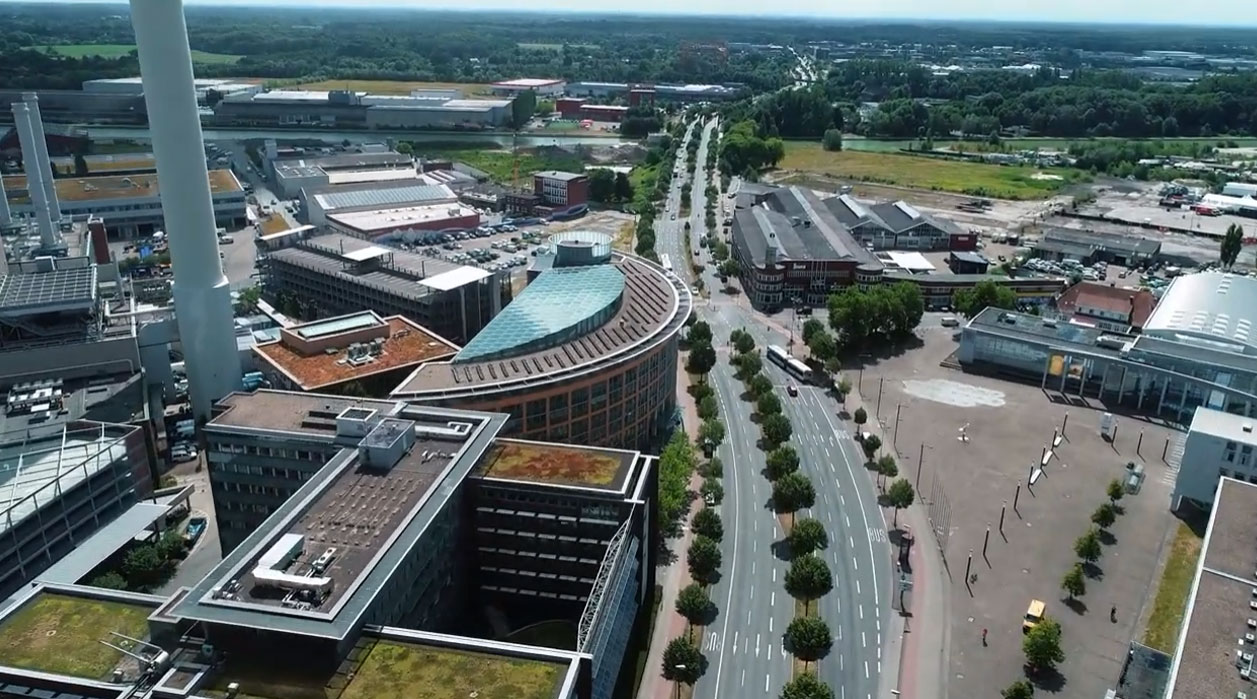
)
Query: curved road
[{"x": 744, "y": 646}]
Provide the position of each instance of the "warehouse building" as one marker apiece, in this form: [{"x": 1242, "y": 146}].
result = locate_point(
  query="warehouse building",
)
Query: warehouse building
[
  {"x": 319, "y": 202},
  {"x": 893, "y": 225},
  {"x": 78, "y": 107},
  {"x": 135, "y": 87},
  {"x": 294, "y": 174},
  {"x": 1127, "y": 250},
  {"x": 406, "y": 223},
  {"x": 336, "y": 274},
  {"x": 543, "y": 87},
  {"x": 1195, "y": 349},
  {"x": 648, "y": 94},
  {"x": 580, "y": 108},
  {"x": 130, "y": 205},
  {"x": 359, "y": 110}
]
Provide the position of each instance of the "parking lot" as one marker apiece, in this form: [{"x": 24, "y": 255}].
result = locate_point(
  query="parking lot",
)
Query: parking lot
[{"x": 979, "y": 438}]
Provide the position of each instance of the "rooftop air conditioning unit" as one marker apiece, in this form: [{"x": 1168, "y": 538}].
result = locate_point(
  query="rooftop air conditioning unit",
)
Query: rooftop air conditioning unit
[
  {"x": 1250, "y": 638},
  {"x": 1252, "y": 623}
]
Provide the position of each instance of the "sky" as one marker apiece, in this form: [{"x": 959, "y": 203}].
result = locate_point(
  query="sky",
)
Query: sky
[{"x": 1213, "y": 12}]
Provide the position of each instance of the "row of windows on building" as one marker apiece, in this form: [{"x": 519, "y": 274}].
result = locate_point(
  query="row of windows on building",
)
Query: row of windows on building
[
  {"x": 1244, "y": 457},
  {"x": 273, "y": 452}
]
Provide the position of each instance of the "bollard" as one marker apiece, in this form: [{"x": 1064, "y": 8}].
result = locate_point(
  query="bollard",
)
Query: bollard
[
  {"x": 986, "y": 540},
  {"x": 968, "y": 566},
  {"x": 1001, "y": 516},
  {"x": 1016, "y": 495},
  {"x": 1064, "y": 422},
  {"x": 1165, "y": 449},
  {"x": 1139, "y": 444}
]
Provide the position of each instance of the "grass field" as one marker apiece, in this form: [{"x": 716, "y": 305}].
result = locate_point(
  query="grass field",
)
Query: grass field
[
  {"x": 1175, "y": 585},
  {"x": 878, "y": 145},
  {"x": 976, "y": 179},
  {"x": 500, "y": 163},
  {"x": 393, "y": 87},
  {"x": 120, "y": 50},
  {"x": 61, "y": 634}
]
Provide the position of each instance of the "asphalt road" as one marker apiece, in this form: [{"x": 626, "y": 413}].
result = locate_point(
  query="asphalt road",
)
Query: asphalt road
[{"x": 744, "y": 647}]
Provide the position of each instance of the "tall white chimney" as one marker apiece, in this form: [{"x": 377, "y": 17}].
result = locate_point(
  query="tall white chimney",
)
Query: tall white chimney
[
  {"x": 201, "y": 291},
  {"x": 6, "y": 216},
  {"x": 45, "y": 162},
  {"x": 49, "y": 236}
]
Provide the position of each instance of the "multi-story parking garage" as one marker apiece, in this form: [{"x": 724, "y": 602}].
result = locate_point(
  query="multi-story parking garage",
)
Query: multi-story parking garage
[{"x": 586, "y": 354}]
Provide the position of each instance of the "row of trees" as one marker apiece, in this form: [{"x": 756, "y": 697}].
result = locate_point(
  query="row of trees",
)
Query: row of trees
[
  {"x": 145, "y": 566},
  {"x": 609, "y": 187},
  {"x": 883, "y": 313},
  {"x": 745, "y": 150}
]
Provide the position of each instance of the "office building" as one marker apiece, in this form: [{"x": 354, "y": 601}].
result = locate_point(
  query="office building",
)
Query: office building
[
  {"x": 791, "y": 249},
  {"x": 130, "y": 205},
  {"x": 580, "y": 108},
  {"x": 586, "y": 354},
  {"x": 543, "y": 87},
  {"x": 1085, "y": 247},
  {"x": 1123, "y": 310},
  {"x": 336, "y": 274},
  {"x": 336, "y": 513},
  {"x": 554, "y": 195},
  {"x": 1195, "y": 349},
  {"x": 1215, "y": 650},
  {"x": 62, "y": 481},
  {"x": 363, "y": 349},
  {"x": 1217, "y": 445}
]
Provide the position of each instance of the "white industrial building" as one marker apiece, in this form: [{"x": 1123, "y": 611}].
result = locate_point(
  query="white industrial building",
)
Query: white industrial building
[
  {"x": 1239, "y": 189},
  {"x": 294, "y": 174},
  {"x": 422, "y": 109},
  {"x": 543, "y": 87},
  {"x": 135, "y": 86},
  {"x": 319, "y": 205},
  {"x": 1217, "y": 444}
]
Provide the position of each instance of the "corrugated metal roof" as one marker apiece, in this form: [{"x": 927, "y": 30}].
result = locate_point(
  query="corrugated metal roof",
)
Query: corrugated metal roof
[
  {"x": 384, "y": 197},
  {"x": 1210, "y": 305}
]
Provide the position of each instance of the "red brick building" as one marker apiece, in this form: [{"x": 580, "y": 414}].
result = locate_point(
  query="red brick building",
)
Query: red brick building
[{"x": 578, "y": 108}]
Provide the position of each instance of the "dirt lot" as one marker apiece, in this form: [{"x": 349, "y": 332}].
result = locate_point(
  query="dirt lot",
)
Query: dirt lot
[{"x": 966, "y": 483}]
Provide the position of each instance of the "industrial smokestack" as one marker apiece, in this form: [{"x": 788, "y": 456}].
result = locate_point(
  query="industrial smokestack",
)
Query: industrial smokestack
[
  {"x": 45, "y": 162},
  {"x": 6, "y": 216},
  {"x": 201, "y": 291},
  {"x": 49, "y": 236}
]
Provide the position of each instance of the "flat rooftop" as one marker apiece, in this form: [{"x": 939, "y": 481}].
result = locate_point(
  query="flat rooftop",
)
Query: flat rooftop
[
  {"x": 538, "y": 462},
  {"x": 1024, "y": 325},
  {"x": 1112, "y": 241},
  {"x": 528, "y": 82},
  {"x": 285, "y": 411},
  {"x": 653, "y": 307},
  {"x": 325, "y": 254},
  {"x": 392, "y": 669},
  {"x": 105, "y": 162},
  {"x": 61, "y": 634},
  {"x": 1220, "y": 606},
  {"x": 105, "y": 187},
  {"x": 359, "y": 510},
  {"x": 401, "y": 217},
  {"x": 407, "y": 345}
]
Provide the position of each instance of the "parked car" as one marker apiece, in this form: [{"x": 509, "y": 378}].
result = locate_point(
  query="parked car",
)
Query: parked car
[{"x": 196, "y": 527}]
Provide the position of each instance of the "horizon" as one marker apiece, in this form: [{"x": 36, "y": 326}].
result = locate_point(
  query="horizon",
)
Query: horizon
[{"x": 1122, "y": 13}]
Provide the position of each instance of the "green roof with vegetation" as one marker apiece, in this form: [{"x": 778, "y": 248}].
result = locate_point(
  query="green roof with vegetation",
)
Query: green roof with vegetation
[
  {"x": 62, "y": 634},
  {"x": 396, "y": 669},
  {"x": 547, "y": 463}
]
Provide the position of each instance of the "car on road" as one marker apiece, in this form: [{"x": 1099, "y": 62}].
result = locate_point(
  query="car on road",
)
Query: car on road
[
  {"x": 1034, "y": 615},
  {"x": 950, "y": 322},
  {"x": 792, "y": 390},
  {"x": 196, "y": 527},
  {"x": 674, "y": 217}
]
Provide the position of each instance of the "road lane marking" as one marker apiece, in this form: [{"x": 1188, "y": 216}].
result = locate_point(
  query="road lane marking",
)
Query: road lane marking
[
  {"x": 752, "y": 568},
  {"x": 774, "y": 575},
  {"x": 855, "y": 565},
  {"x": 757, "y": 645},
  {"x": 866, "y": 669},
  {"x": 848, "y": 520},
  {"x": 851, "y": 541},
  {"x": 857, "y": 586},
  {"x": 772, "y": 602},
  {"x": 765, "y": 683},
  {"x": 839, "y": 633},
  {"x": 861, "y": 611},
  {"x": 864, "y": 642},
  {"x": 752, "y": 592},
  {"x": 769, "y": 654},
  {"x": 770, "y": 630},
  {"x": 735, "y": 640},
  {"x": 842, "y": 500},
  {"x": 863, "y": 515}
]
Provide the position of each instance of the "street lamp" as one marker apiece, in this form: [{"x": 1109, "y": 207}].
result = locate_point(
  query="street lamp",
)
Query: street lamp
[{"x": 677, "y": 683}]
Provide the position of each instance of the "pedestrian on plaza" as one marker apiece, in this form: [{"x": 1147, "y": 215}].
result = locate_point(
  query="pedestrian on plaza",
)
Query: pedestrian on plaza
[
  {"x": 1113, "y": 614},
  {"x": 983, "y": 638}
]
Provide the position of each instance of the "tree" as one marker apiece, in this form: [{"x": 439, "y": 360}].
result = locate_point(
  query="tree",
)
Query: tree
[
  {"x": 776, "y": 429},
  {"x": 702, "y": 359},
  {"x": 1074, "y": 584},
  {"x": 886, "y": 466},
  {"x": 808, "y": 638},
  {"x": 714, "y": 468},
  {"x": 699, "y": 334},
  {"x": 749, "y": 365},
  {"x": 143, "y": 567},
  {"x": 682, "y": 661},
  {"x": 782, "y": 461},
  {"x": 707, "y": 523},
  {"x": 405, "y": 148},
  {"x": 712, "y": 489},
  {"x": 602, "y": 185},
  {"x": 791, "y": 493},
  {"x": 109, "y": 581},
  {"x": 760, "y": 385},
  {"x": 1105, "y": 515},
  {"x": 811, "y": 327},
  {"x": 823, "y": 346},
  {"x": 871, "y": 444},
  {"x": 742, "y": 341},
  {"x": 1087, "y": 546},
  {"x": 806, "y": 686},
  {"x": 984, "y": 294},
  {"x": 1115, "y": 491},
  {"x": 692, "y": 603},
  {"x": 808, "y": 578},
  {"x": 768, "y": 404},
  {"x": 807, "y": 535},
  {"x": 623, "y": 187},
  {"x": 712, "y": 431},
  {"x": 676, "y": 464},
  {"x": 844, "y": 387},
  {"x": 832, "y": 140},
  {"x": 1021, "y": 689},
  {"x": 1042, "y": 645},
  {"x": 522, "y": 108},
  {"x": 1232, "y": 242},
  {"x": 80, "y": 165},
  {"x": 707, "y": 408},
  {"x": 703, "y": 559},
  {"x": 171, "y": 546},
  {"x": 861, "y": 415},
  {"x": 900, "y": 495}
]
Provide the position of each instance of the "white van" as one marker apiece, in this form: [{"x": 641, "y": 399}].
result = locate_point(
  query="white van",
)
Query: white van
[{"x": 950, "y": 322}]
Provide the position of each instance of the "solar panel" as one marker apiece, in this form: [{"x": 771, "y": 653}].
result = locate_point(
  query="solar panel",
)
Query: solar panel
[{"x": 62, "y": 287}]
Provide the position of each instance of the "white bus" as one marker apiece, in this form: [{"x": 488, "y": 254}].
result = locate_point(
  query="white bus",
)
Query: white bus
[
  {"x": 666, "y": 262},
  {"x": 794, "y": 367}
]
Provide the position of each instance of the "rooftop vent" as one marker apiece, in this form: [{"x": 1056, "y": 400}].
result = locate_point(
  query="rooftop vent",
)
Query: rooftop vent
[{"x": 1247, "y": 427}]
